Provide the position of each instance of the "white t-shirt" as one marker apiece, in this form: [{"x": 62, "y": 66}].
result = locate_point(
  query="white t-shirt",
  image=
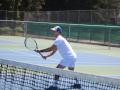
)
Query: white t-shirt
[{"x": 64, "y": 48}]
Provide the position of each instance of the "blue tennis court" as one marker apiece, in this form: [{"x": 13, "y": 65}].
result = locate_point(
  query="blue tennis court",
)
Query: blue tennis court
[{"x": 90, "y": 59}]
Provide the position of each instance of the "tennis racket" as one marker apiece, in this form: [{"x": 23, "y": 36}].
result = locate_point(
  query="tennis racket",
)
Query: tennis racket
[{"x": 31, "y": 44}]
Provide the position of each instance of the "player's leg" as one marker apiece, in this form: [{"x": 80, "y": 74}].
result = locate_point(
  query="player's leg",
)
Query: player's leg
[
  {"x": 71, "y": 68},
  {"x": 71, "y": 65},
  {"x": 61, "y": 67},
  {"x": 56, "y": 80}
]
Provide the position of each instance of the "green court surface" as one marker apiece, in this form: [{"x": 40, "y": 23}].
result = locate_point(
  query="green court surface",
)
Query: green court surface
[
  {"x": 108, "y": 65},
  {"x": 94, "y": 69},
  {"x": 103, "y": 70}
]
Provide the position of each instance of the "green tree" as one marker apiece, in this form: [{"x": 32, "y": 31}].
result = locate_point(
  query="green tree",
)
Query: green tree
[
  {"x": 32, "y": 5},
  {"x": 107, "y": 4},
  {"x": 81, "y": 4},
  {"x": 21, "y": 5}
]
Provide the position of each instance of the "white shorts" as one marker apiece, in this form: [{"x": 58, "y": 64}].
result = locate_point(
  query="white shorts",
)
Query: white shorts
[{"x": 68, "y": 62}]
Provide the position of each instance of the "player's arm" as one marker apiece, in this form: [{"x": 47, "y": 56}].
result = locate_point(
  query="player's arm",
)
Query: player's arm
[
  {"x": 53, "y": 51},
  {"x": 50, "y": 54},
  {"x": 53, "y": 48}
]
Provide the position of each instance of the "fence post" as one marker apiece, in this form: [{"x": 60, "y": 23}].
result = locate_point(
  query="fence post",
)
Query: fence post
[
  {"x": 68, "y": 17},
  {"x": 69, "y": 27},
  {"x": 104, "y": 37},
  {"x": 109, "y": 39},
  {"x": 91, "y": 12},
  {"x": 90, "y": 36},
  {"x": 48, "y": 13},
  {"x": 6, "y": 14},
  {"x": 25, "y": 28},
  {"x": 78, "y": 16},
  {"x": 57, "y": 13}
]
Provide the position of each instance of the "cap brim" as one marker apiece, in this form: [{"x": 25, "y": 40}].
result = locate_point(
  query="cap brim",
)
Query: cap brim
[{"x": 52, "y": 29}]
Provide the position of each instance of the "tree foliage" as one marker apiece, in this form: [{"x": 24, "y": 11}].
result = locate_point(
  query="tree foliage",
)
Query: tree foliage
[
  {"x": 37, "y": 5},
  {"x": 21, "y": 5},
  {"x": 107, "y": 4},
  {"x": 81, "y": 4}
]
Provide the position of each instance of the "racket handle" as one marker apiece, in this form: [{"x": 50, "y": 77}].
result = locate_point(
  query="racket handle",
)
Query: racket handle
[
  {"x": 38, "y": 51},
  {"x": 42, "y": 56}
]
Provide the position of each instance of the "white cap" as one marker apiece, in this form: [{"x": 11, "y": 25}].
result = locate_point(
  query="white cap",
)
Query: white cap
[{"x": 57, "y": 29}]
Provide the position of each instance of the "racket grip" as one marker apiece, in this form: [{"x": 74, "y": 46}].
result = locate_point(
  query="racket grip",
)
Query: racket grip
[
  {"x": 38, "y": 51},
  {"x": 42, "y": 56}
]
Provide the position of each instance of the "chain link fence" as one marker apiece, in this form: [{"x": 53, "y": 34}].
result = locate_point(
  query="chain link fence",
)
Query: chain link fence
[
  {"x": 75, "y": 16},
  {"x": 81, "y": 26}
]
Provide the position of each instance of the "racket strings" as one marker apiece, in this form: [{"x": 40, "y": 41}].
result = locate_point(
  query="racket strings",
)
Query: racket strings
[{"x": 30, "y": 44}]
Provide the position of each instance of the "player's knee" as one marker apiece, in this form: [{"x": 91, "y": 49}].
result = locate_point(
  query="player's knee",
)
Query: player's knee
[
  {"x": 60, "y": 66},
  {"x": 71, "y": 68}
]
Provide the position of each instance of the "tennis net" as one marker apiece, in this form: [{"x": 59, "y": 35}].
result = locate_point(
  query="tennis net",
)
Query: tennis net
[{"x": 22, "y": 76}]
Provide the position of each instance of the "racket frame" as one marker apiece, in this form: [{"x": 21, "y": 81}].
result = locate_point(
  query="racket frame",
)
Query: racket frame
[{"x": 25, "y": 41}]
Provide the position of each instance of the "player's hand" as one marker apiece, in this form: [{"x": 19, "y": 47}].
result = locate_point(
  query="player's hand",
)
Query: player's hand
[
  {"x": 38, "y": 51},
  {"x": 44, "y": 57}
]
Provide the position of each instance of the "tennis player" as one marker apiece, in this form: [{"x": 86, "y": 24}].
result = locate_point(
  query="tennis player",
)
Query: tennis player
[{"x": 64, "y": 48}]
